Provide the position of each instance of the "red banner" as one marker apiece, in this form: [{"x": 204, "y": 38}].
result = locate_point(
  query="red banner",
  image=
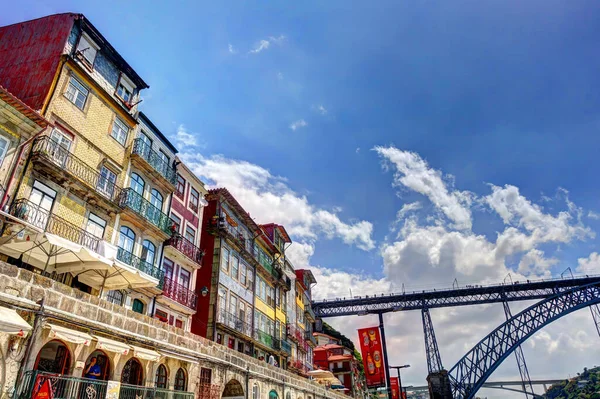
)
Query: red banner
[
  {"x": 395, "y": 388},
  {"x": 372, "y": 354},
  {"x": 45, "y": 389}
]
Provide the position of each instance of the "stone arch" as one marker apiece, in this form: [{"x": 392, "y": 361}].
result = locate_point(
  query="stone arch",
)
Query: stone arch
[
  {"x": 103, "y": 361},
  {"x": 54, "y": 357},
  {"x": 233, "y": 389},
  {"x": 273, "y": 394},
  {"x": 161, "y": 376},
  {"x": 133, "y": 372},
  {"x": 181, "y": 379},
  {"x": 255, "y": 391}
]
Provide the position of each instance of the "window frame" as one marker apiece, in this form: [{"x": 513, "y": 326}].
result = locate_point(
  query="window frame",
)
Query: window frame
[
  {"x": 96, "y": 223},
  {"x": 194, "y": 202},
  {"x": 91, "y": 44},
  {"x": 73, "y": 96},
  {"x": 180, "y": 181},
  {"x": 124, "y": 128},
  {"x": 127, "y": 86},
  {"x": 178, "y": 229},
  {"x": 3, "y": 153}
]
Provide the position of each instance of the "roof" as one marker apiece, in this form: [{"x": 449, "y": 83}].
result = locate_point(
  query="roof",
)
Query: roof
[
  {"x": 192, "y": 175},
  {"x": 303, "y": 274},
  {"x": 157, "y": 131},
  {"x": 23, "y": 108},
  {"x": 327, "y": 347},
  {"x": 233, "y": 203},
  {"x": 117, "y": 58},
  {"x": 337, "y": 358},
  {"x": 282, "y": 231}
]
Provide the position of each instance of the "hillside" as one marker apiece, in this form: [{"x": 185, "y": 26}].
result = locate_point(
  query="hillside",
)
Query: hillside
[{"x": 585, "y": 386}]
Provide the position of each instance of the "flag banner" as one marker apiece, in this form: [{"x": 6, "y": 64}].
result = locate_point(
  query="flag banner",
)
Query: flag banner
[{"x": 372, "y": 354}]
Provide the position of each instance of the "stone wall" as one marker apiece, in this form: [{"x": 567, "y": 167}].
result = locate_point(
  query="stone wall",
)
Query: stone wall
[{"x": 22, "y": 288}]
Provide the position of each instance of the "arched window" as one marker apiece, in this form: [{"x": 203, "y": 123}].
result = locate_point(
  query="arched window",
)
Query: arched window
[
  {"x": 273, "y": 394},
  {"x": 288, "y": 396},
  {"x": 54, "y": 357},
  {"x": 161, "y": 378},
  {"x": 137, "y": 183},
  {"x": 138, "y": 306},
  {"x": 133, "y": 372},
  {"x": 156, "y": 199},
  {"x": 180, "y": 380},
  {"x": 255, "y": 391},
  {"x": 126, "y": 239},
  {"x": 148, "y": 251}
]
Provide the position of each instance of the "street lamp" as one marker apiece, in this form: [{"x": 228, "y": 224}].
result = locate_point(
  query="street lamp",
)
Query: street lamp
[{"x": 399, "y": 379}]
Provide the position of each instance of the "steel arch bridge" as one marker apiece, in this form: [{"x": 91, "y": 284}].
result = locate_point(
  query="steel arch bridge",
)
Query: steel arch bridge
[{"x": 471, "y": 372}]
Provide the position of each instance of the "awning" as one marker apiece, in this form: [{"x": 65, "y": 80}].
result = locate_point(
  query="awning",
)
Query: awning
[
  {"x": 117, "y": 277},
  {"x": 145, "y": 354},
  {"x": 12, "y": 323},
  {"x": 112, "y": 346},
  {"x": 66, "y": 334},
  {"x": 320, "y": 374},
  {"x": 52, "y": 253},
  {"x": 177, "y": 356}
]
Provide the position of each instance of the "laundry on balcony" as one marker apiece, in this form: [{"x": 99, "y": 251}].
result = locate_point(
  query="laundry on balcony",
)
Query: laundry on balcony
[
  {"x": 12, "y": 323},
  {"x": 69, "y": 335}
]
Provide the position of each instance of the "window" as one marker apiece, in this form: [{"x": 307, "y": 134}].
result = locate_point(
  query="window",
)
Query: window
[
  {"x": 126, "y": 239},
  {"x": 138, "y": 306},
  {"x": 240, "y": 347},
  {"x": 205, "y": 375},
  {"x": 243, "y": 274},
  {"x": 3, "y": 148},
  {"x": 115, "y": 296},
  {"x": 42, "y": 197},
  {"x": 184, "y": 278},
  {"x": 161, "y": 377},
  {"x": 233, "y": 304},
  {"x": 190, "y": 234},
  {"x": 168, "y": 268},
  {"x": 242, "y": 311},
  {"x": 146, "y": 141},
  {"x": 222, "y": 301},
  {"x": 164, "y": 157},
  {"x": 250, "y": 279},
  {"x": 119, "y": 131},
  {"x": 87, "y": 48},
  {"x": 235, "y": 267},
  {"x": 107, "y": 181},
  {"x": 179, "y": 323},
  {"x": 95, "y": 226},
  {"x": 194, "y": 199},
  {"x": 76, "y": 93},
  {"x": 225, "y": 260},
  {"x": 175, "y": 222},
  {"x": 255, "y": 391},
  {"x": 137, "y": 183},
  {"x": 156, "y": 199},
  {"x": 125, "y": 89},
  {"x": 61, "y": 139},
  {"x": 148, "y": 251},
  {"x": 180, "y": 380},
  {"x": 162, "y": 316},
  {"x": 180, "y": 189},
  {"x": 219, "y": 338}
]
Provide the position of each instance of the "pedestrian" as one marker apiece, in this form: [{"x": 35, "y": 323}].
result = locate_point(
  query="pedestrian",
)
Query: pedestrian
[{"x": 92, "y": 371}]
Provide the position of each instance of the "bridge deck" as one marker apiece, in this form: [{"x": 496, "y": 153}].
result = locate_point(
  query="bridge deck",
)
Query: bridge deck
[{"x": 469, "y": 295}]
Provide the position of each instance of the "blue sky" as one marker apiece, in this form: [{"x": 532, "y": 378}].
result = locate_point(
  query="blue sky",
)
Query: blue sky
[{"x": 476, "y": 93}]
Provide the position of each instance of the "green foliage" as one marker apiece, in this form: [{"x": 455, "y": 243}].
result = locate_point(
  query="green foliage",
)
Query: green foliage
[
  {"x": 576, "y": 388},
  {"x": 327, "y": 329}
]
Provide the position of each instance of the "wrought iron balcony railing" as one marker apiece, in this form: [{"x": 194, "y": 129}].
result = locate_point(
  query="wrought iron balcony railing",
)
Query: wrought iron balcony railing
[
  {"x": 50, "y": 149},
  {"x": 186, "y": 247},
  {"x": 68, "y": 387},
  {"x": 179, "y": 293},
  {"x": 153, "y": 158},
  {"x": 44, "y": 220},
  {"x": 310, "y": 338},
  {"x": 265, "y": 339},
  {"x": 309, "y": 311},
  {"x": 234, "y": 322},
  {"x": 286, "y": 347},
  {"x": 140, "y": 264},
  {"x": 133, "y": 200}
]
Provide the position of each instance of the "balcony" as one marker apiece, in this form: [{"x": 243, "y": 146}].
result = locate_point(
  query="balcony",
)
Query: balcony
[
  {"x": 179, "y": 293},
  {"x": 219, "y": 226},
  {"x": 295, "y": 334},
  {"x": 310, "y": 338},
  {"x": 308, "y": 310},
  {"x": 143, "y": 266},
  {"x": 286, "y": 347},
  {"x": 234, "y": 323},
  {"x": 265, "y": 339},
  {"x": 298, "y": 366},
  {"x": 142, "y": 207},
  {"x": 187, "y": 248},
  {"x": 53, "y": 224},
  {"x": 66, "y": 387},
  {"x": 153, "y": 163},
  {"x": 58, "y": 164}
]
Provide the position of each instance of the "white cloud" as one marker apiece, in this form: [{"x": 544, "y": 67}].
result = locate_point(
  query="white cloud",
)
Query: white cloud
[
  {"x": 298, "y": 124},
  {"x": 593, "y": 215},
  {"x": 589, "y": 265},
  {"x": 184, "y": 139},
  {"x": 279, "y": 76},
  {"x": 414, "y": 173},
  {"x": 264, "y": 44},
  {"x": 268, "y": 198},
  {"x": 321, "y": 109},
  {"x": 407, "y": 208},
  {"x": 232, "y": 49}
]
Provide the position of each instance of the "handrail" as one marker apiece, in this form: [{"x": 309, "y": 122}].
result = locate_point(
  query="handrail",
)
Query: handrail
[
  {"x": 179, "y": 293},
  {"x": 133, "y": 200},
  {"x": 234, "y": 322},
  {"x": 186, "y": 247},
  {"x": 62, "y": 157},
  {"x": 43, "y": 219},
  {"x": 140, "y": 264},
  {"x": 141, "y": 148}
]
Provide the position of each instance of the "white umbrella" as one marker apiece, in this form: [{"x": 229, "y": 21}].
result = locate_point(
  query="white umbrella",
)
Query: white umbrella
[
  {"x": 320, "y": 373},
  {"x": 12, "y": 323}
]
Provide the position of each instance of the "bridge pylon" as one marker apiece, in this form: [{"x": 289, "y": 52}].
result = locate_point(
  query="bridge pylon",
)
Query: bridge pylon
[{"x": 437, "y": 380}]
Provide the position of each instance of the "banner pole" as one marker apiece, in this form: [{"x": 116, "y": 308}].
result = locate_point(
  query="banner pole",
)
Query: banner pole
[{"x": 385, "y": 357}]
